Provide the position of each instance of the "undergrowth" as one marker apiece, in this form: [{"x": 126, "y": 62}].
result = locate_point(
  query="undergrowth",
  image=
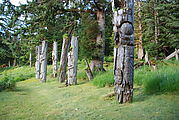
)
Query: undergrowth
[
  {"x": 103, "y": 79},
  {"x": 164, "y": 79},
  {"x": 10, "y": 76},
  {"x": 7, "y": 82}
]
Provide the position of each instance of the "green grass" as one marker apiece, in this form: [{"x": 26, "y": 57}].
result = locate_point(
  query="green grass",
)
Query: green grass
[
  {"x": 164, "y": 79},
  {"x": 20, "y": 73},
  {"x": 104, "y": 79},
  {"x": 9, "y": 76},
  {"x": 33, "y": 100},
  {"x": 38, "y": 101}
]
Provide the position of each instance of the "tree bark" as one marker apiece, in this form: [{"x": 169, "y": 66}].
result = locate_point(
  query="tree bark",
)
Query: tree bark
[
  {"x": 123, "y": 19},
  {"x": 97, "y": 62},
  {"x": 37, "y": 63},
  {"x": 157, "y": 31},
  {"x": 63, "y": 60},
  {"x": 43, "y": 61},
  {"x": 30, "y": 59},
  {"x": 176, "y": 55},
  {"x": 55, "y": 59},
  {"x": 140, "y": 49},
  {"x": 72, "y": 61}
]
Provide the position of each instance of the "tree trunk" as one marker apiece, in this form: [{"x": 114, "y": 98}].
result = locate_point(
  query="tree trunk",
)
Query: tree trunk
[
  {"x": 72, "y": 61},
  {"x": 141, "y": 49},
  {"x": 156, "y": 19},
  {"x": 43, "y": 61},
  {"x": 97, "y": 62},
  {"x": 176, "y": 55},
  {"x": 63, "y": 59},
  {"x": 123, "y": 19},
  {"x": 14, "y": 62},
  {"x": 55, "y": 59},
  {"x": 146, "y": 57},
  {"x": 9, "y": 63},
  {"x": 30, "y": 59},
  {"x": 37, "y": 63}
]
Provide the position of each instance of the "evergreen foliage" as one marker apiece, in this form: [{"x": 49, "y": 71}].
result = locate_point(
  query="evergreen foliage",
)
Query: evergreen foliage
[
  {"x": 88, "y": 32},
  {"x": 166, "y": 11},
  {"x": 24, "y": 27}
]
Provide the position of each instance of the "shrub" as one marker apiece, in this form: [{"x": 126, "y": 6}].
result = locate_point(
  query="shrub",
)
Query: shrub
[
  {"x": 108, "y": 58},
  {"x": 7, "y": 82},
  {"x": 22, "y": 77},
  {"x": 104, "y": 79}
]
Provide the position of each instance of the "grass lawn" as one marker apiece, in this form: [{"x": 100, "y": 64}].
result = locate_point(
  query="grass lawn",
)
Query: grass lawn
[
  {"x": 32, "y": 100},
  {"x": 38, "y": 101}
]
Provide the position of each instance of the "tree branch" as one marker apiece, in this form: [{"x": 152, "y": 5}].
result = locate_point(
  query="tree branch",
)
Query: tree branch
[
  {"x": 75, "y": 10},
  {"x": 96, "y": 4}
]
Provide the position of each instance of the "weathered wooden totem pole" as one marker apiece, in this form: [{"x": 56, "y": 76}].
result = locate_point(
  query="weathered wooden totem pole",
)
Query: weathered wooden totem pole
[
  {"x": 43, "y": 61},
  {"x": 37, "y": 63},
  {"x": 123, "y": 19},
  {"x": 63, "y": 59},
  {"x": 55, "y": 59},
  {"x": 73, "y": 61}
]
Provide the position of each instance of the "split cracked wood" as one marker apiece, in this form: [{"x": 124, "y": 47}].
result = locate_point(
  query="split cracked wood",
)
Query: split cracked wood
[
  {"x": 55, "y": 59},
  {"x": 63, "y": 59},
  {"x": 72, "y": 61},
  {"x": 123, "y": 19},
  {"x": 43, "y": 61},
  {"x": 37, "y": 63}
]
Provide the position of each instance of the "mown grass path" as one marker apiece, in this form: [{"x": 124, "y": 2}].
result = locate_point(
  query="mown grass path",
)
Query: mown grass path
[{"x": 32, "y": 100}]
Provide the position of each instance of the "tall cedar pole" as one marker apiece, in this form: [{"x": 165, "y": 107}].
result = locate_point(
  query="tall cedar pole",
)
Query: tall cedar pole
[
  {"x": 55, "y": 59},
  {"x": 72, "y": 61},
  {"x": 37, "y": 63},
  {"x": 123, "y": 19},
  {"x": 43, "y": 61},
  {"x": 63, "y": 59}
]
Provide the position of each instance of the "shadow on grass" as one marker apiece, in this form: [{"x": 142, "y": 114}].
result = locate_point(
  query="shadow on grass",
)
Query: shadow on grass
[
  {"x": 19, "y": 89},
  {"x": 63, "y": 85},
  {"x": 82, "y": 82},
  {"x": 139, "y": 95}
]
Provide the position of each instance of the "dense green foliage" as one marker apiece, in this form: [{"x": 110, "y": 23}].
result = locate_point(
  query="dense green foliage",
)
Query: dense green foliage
[
  {"x": 24, "y": 27},
  {"x": 160, "y": 26},
  {"x": 88, "y": 32},
  {"x": 7, "y": 82},
  {"x": 8, "y": 78},
  {"x": 9, "y": 23}
]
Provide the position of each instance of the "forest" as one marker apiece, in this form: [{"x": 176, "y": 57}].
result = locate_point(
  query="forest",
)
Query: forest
[{"x": 89, "y": 59}]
